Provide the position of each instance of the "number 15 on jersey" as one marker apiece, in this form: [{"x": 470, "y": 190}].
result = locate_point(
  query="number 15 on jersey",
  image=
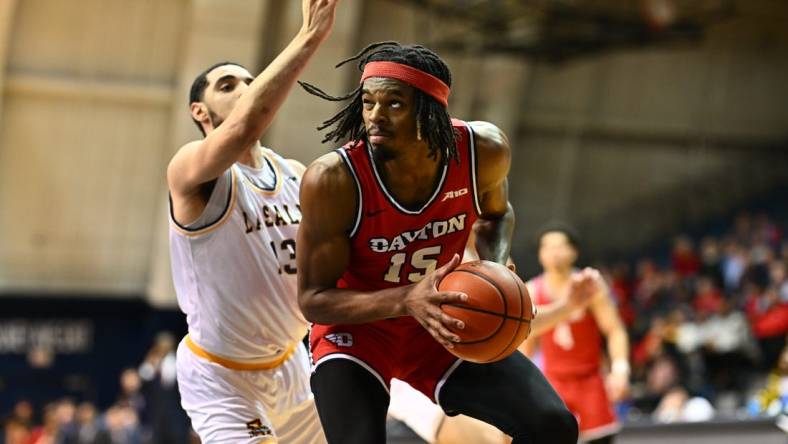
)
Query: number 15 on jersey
[{"x": 424, "y": 261}]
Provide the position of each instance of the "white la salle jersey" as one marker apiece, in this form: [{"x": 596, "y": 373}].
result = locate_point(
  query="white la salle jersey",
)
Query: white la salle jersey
[{"x": 235, "y": 275}]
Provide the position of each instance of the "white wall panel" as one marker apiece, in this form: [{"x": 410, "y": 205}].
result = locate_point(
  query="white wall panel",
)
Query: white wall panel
[
  {"x": 78, "y": 188},
  {"x": 98, "y": 38}
]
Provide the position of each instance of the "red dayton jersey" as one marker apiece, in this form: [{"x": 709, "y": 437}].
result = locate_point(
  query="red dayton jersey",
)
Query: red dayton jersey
[
  {"x": 392, "y": 245},
  {"x": 573, "y": 347}
]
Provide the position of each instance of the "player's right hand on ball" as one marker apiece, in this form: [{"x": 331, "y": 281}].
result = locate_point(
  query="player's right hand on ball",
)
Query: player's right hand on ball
[{"x": 423, "y": 302}]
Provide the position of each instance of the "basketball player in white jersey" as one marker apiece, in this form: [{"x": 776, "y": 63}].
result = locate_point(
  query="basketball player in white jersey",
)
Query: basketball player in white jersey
[{"x": 242, "y": 370}]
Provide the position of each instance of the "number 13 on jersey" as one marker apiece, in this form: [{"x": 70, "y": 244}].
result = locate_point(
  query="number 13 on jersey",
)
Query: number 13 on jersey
[{"x": 424, "y": 261}]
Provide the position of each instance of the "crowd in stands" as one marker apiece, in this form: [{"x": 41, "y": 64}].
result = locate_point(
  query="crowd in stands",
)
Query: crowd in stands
[
  {"x": 708, "y": 324},
  {"x": 147, "y": 410}
]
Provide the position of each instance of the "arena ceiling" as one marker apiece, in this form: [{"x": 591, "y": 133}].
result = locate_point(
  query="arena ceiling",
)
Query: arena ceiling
[{"x": 557, "y": 30}]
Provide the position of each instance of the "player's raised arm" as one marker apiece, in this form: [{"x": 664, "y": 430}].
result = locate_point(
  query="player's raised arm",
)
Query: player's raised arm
[
  {"x": 202, "y": 161},
  {"x": 494, "y": 227},
  {"x": 328, "y": 206}
]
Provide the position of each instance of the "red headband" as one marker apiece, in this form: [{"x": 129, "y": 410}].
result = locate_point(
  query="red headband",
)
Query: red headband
[{"x": 410, "y": 75}]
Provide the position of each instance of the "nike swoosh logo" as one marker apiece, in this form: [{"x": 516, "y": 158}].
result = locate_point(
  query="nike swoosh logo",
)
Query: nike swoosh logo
[
  {"x": 372, "y": 213},
  {"x": 293, "y": 178}
]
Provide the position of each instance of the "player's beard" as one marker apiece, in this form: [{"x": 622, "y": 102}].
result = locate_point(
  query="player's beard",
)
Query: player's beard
[
  {"x": 381, "y": 152},
  {"x": 216, "y": 120}
]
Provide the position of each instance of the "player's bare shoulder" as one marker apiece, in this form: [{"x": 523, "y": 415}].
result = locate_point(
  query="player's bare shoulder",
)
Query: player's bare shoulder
[
  {"x": 329, "y": 191},
  {"x": 327, "y": 174},
  {"x": 493, "y": 152},
  {"x": 178, "y": 168},
  {"x": 489, "y": 132}
]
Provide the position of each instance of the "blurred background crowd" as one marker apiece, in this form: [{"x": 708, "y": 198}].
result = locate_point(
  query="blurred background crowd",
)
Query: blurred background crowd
[
  {"x": 146, "y": 410},
  {"x": 709, "y": 319}
]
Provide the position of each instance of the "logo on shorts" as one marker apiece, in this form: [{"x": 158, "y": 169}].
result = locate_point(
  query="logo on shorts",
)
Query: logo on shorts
[
  {"x": 341, "y": 339},
  {"x": 256, "y": 428}
]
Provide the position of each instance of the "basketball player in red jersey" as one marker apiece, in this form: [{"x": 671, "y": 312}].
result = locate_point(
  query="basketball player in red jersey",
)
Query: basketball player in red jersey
[
  {"x": 384, "y": 219},
  {"x": 568, "y": 330}
]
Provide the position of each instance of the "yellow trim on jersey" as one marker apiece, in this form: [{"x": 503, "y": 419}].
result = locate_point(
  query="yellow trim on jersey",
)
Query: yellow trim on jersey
[
  {"x": 277, "y": 174},
  {"x": 205, "y": 230},
  {"x": 235, "y": 365}
]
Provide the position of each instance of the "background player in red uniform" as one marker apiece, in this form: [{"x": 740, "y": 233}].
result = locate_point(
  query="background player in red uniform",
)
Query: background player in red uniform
[
  {"x": 384, "y": 219},
  {"x": 568, "y": 330}
]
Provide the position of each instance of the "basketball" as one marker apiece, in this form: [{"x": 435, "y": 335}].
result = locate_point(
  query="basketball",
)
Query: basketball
[{"x": 497, "y": 314}]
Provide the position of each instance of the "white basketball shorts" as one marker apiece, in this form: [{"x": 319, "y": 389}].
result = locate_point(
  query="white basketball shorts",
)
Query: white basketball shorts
[{"x": 249, "y": 406}]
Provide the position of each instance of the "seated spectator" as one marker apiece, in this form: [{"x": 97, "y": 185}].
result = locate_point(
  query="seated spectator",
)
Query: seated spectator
[
  {"x": 768, "y": 317},
  {"x": 166, "y": 422},
  {"x": 88, "y": 429},
  {"x": 766, "y": 231},
  {"x": 23, "y": 411},
  {"x": 708, "y": 297},
  {"x": 689, "y": 333},
  {"x": 65, "y": 411},
  {"x": 757, "y": 271},
  {"x": 16, "y": 431},
  {"x": 123, "y": 425},
  {"x": 684, "y": 259},
  {"x": 742, "y": 228},
  {"x": 734, "y": 263},
  {"x": 662, "y": 375},
  {"x": 777, "y": 274},
  {"x": 48, "y": 432},
  {"x": 647, "y": 282},
  {"x": 711, "y": 260},
  {"x": 651, "y": 345},
  {"x": 726, "y": 348},
  {"x": 130, "y": 391},
  {"x": 621, "y": 288},
  {"x": 688, "y": 340}
]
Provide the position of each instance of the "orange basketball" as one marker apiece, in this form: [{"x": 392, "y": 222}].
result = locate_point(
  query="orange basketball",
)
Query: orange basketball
[{"x": 497, "y": 314}]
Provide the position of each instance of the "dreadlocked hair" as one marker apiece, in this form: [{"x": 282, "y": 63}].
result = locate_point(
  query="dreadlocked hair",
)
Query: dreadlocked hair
[{"x": 432, "y": 117}]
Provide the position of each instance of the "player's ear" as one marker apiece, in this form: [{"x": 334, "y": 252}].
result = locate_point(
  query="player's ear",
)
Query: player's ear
[{"x": 199, "y": 112}]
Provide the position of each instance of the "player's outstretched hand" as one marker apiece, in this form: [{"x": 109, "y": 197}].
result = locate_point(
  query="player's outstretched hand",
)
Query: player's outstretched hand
[
  {"x": 582, "y": 287},
  {"x": 318, "y": 17},
  {"x": 424, "y": 300}
]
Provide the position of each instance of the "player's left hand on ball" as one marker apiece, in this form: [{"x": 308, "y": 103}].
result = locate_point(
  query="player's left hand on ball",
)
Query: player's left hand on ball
[{"x": 424, "y": 301}]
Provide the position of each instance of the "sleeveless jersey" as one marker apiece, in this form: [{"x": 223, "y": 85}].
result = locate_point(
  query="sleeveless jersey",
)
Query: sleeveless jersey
[
  {"x": 573, "y": 347},
  {"x": 392, "y": 245},
  {"x": 235, "y": 278}
]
